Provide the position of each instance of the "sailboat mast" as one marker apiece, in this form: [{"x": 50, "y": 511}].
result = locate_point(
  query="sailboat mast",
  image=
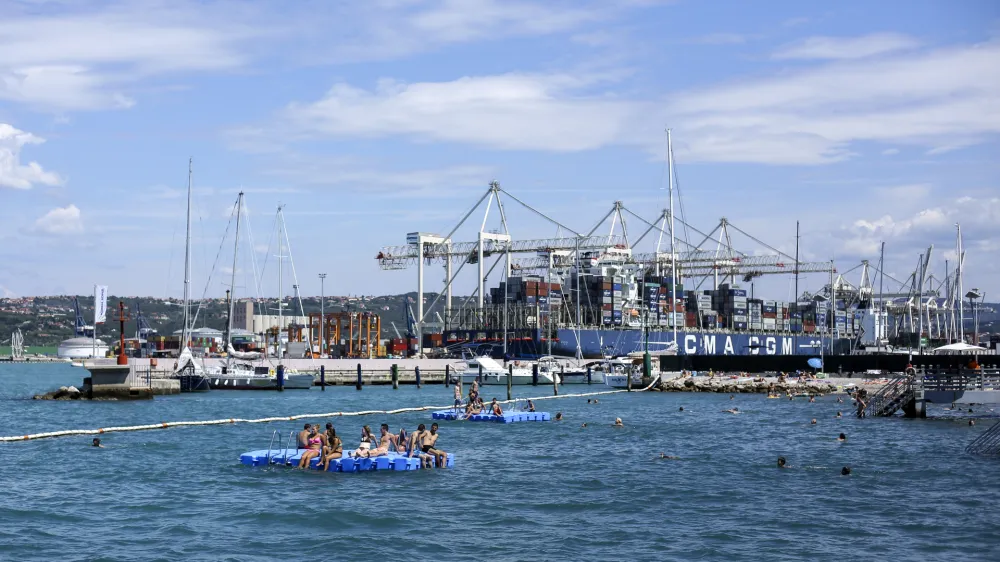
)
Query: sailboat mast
[
  {"x": 232, "y": 279},
  {"x": 673, "y": 254},
  {"x": 961, "y": 294},
  {"x": 187, "y": 263},
  {"x": 281, "y": 225}
]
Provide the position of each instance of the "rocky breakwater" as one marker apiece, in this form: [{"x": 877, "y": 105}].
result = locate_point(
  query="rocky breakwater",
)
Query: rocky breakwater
[
  {"x": 63, "y": 393},
  {"x": 729, "y": 386}
]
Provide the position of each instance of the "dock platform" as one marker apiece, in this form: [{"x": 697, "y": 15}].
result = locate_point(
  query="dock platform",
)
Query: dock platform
[
  {"x": 394, "y": 462},
  {"x": 507, "y": 417}
]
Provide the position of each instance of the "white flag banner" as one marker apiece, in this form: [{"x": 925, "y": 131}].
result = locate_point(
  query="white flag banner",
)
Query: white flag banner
[{"x": 100, "y": 303}]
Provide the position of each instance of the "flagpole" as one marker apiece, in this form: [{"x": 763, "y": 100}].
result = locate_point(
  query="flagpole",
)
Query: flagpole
[{"x": 93, "y": 339}]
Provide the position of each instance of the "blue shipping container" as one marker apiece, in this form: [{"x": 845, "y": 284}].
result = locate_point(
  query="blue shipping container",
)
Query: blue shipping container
[{"x": 737, "y": 292}]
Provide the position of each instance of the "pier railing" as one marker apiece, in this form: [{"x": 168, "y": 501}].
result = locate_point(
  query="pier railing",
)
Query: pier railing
[
  {"x": 140, "y": 378},
  {"x": 954, "y": 380}
]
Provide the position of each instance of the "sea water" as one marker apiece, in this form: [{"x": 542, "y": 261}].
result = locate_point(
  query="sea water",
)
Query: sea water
[{"x": 529, "y": 491}]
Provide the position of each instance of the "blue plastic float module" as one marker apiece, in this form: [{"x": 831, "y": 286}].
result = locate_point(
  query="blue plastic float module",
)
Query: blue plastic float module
[
  {"x": 507, "y": 417},
  {"x": 291, "y": 457}
]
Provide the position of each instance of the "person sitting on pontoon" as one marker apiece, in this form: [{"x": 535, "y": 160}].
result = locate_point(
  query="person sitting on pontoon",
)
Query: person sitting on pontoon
[
  {"x": 475, "y": 407},
  {"x": 386, "y": 442},
  {"x": 436, "y": 456},
  {"x": 531, "y": 406},
  {"x": 302, "y": 440},
  {"x": 495, "y": 408},
  {"x": 367, "y": 438},
  {"x": 315, "y": 443},
  {"x": 334, "y": 448}
]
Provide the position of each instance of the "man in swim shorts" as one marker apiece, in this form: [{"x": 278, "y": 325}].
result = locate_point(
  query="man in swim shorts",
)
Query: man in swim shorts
[
  {"x": 430, "y": 440},
  {"x": 458, "y": 394}
]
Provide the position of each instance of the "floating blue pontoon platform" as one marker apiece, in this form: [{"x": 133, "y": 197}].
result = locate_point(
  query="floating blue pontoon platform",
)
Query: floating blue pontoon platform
[
  {"x": 291, "y": 457},
  {"x": 507, "y": 417}
]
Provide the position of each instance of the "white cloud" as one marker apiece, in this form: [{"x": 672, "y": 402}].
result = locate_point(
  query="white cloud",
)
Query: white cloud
[
  {"x": 847, "y": 47},
  {"x": 936, "y": 98},
  {"x": 64, "y": 55},
  {"x": 890, "y": 152},
  {"x": 510, "y": 111},
  {"x": 720, "y": 39},
  {"x": 13, "y": 174},
  {"x": 932, "y": 98},
  {"x": 899, "y": 194},
  {"x": 78, "y": 57},
  {"x": 979, "y": 217},
  {"x": 60, "y": 221},
  {"x": 370, "y": 177}
]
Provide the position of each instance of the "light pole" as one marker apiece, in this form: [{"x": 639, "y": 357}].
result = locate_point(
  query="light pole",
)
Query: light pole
[
  {"x": 972, "y": 296},
  {"x": 322, "y": 313}
]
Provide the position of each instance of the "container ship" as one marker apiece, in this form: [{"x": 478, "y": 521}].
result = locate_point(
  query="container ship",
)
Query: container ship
[{"x": 620, "y": 309}]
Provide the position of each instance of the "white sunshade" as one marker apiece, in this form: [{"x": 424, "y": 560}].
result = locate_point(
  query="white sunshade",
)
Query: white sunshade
[{"x": 960, "y": 346}]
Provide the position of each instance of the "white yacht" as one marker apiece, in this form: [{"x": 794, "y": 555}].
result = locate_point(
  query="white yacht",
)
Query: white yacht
[
  {"x": 567, "y": 372},
  {"x": 617, "y": 371},
  {"x": 82, "y": 348},
  {"x": 495, "y": 374},
  {"x": 241, "y": 376}
]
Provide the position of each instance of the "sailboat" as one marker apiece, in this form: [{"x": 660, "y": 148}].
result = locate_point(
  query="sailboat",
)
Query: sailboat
[
  {"x": 247, "y": 376},
  {"x": 190, "y": 373}
]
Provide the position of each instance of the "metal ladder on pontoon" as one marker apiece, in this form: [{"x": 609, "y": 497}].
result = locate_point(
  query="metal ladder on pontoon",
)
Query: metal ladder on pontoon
[
  {"x": 987, "y": 444},
  {"x": 889, "y": 399}
]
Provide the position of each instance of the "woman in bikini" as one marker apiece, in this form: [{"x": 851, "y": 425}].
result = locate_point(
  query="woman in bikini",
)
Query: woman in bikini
[
  {"x": 334, "y": 450},
  {"x": 315, "y": 443},
  {"x": 387, "y": 442},
  {"x": 366, "y": 442}
]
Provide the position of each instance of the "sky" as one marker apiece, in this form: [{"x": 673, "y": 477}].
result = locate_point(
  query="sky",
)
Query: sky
[{"x": 867, "y": 122}]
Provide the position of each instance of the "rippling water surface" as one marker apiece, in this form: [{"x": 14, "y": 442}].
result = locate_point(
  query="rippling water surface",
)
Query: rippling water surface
[{"x": 531, "y": 491}]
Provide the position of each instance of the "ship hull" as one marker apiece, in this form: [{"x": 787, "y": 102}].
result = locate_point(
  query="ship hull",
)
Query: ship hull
[{"x": 689, "y": 342}]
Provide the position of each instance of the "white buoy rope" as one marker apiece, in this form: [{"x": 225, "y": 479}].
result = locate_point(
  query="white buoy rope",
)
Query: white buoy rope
[{"x": 165, "y": 425}]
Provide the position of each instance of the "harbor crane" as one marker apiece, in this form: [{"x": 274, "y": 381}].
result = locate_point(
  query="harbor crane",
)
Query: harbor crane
[{"x": 423, "y": 249}]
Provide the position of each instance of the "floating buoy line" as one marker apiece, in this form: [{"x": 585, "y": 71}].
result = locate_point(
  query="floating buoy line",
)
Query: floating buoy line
[{"x": 166, "y": 425}]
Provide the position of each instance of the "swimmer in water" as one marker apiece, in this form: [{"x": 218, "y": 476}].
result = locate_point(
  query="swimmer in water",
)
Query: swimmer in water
[
  {"x": 681, "y": 409},
  {"x": 618, "y": 423},
  {"x": 813, "y": 422},
  {"x": 846, "y": 471},
  {"x": 839, "y": 415},
  {"x": 97, "y": 443},
  {"x": 667, "y": 457},
  {"x": 840, "y": 400},
  {"x": 584, "y": 424},
  {"x": 842, "y": 437},
  {"x": 812, "y": 399},
  {"x": 559, "y": 416},
  {"x": 781, "y": 462},
  {"x": 730, "y": 396},
  {"x": 595, "y": 400},
  {"x": 971, "y": 422},
  {"x": 732, "y": 411}
]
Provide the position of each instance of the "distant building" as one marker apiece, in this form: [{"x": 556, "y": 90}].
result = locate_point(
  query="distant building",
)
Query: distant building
[{"x": 245, "y": 319}]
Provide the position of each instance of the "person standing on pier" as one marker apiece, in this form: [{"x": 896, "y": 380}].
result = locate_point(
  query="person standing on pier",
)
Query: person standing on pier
[{"x": 458, "y": 394}]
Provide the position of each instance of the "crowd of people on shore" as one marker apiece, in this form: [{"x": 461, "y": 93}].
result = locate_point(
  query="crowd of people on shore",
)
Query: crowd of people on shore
[{"x": 327, "y": 446}]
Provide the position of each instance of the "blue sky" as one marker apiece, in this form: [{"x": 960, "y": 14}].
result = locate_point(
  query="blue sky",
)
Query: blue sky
[{"x": 866, "y": 121}]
